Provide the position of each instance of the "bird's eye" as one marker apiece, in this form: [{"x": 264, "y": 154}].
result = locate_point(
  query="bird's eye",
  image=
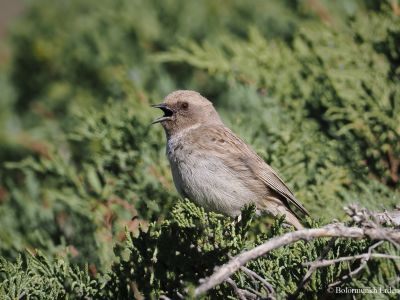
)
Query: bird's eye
[{"x": 185, "y": 105}]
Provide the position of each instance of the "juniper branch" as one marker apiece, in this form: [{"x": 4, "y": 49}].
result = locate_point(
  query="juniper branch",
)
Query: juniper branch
[{"x": 332, "y": 230}]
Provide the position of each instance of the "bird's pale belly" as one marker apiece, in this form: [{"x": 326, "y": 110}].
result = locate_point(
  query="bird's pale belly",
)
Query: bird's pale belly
[{"x": 208, "y": 182}]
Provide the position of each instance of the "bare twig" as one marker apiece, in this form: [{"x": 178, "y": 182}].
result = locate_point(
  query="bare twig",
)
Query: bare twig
[
  {"x": 392, "y": 217},
  {"x": 238, "y": 291},
  {"x": 363, "y": 264},
  {"x": 333, "y": 230},
  {"x": 329, "y": 262},
  {"x": 363, "y": 216},
  {"x": 264, "y": 282},
  {"x": 260, "y": 296},
  {"x": 312, "y": 269},
  {"x": 243, "y": 294}
]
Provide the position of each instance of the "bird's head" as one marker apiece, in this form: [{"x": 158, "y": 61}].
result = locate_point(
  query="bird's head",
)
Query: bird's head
[{"x": 183, "y": 109}]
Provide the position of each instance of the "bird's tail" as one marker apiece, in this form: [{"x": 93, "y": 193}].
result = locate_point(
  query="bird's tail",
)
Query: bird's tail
[
  {"x": 276, "y": 207},
  {"x": 292, "y": 219}
]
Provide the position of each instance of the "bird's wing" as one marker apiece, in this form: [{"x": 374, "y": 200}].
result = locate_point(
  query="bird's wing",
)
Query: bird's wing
[
  {"x": 272, "y": 180},
  {"x": 222, "y": 142}
]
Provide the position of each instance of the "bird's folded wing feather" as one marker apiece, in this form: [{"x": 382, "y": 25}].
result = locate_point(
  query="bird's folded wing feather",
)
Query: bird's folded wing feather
[{"x": 222, "y": 142}]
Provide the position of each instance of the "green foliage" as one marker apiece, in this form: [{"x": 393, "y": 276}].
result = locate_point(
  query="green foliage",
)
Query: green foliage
[
  {"x": 312, "y": 85},
  {"x": 35, "y": 277},
  {"x": 319, "y": 98},
  {"x": 169, "y": 257},
  {"x": 76, "y": 193},
  {"x": 322, "y": 74}
]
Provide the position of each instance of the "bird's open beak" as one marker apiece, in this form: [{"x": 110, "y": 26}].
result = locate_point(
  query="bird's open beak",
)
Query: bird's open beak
[{"x": 167, "y": 113}]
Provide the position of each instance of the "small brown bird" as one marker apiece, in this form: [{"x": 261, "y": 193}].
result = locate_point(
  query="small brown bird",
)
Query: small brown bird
[{"x": 213, "y": 167}]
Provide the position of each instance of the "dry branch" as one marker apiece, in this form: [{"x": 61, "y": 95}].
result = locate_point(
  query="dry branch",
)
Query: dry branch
[
  {"x": 329, "y": 262},
  {"x": 363, "y": 264},
  {"x": 332, "y": 230},
  {"x": 264, "y": 282},
  {"x": 364, "y": 216},
  {"x": 239, "y": 292},
  {"x": 311, "y": 270}
]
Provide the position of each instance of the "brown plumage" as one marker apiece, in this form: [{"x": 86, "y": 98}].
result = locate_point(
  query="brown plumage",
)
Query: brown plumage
[{"x": 215, "y": 168}]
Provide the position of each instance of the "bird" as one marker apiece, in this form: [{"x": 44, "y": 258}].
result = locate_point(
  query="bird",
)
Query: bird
[{"x": 215, "y": 168}]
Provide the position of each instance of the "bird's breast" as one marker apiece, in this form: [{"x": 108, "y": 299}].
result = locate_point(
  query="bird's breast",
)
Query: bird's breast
[{"x": 204, "y": 178}]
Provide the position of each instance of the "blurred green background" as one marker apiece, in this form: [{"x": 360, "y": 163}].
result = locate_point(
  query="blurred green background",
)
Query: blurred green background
[{"x": 312, "y": 85}]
